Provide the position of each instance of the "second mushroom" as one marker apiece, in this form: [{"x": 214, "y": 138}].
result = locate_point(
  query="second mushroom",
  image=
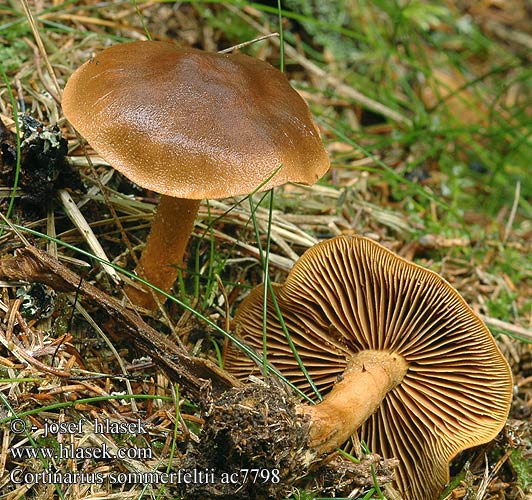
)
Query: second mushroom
[{"x": 397, "y": 353}]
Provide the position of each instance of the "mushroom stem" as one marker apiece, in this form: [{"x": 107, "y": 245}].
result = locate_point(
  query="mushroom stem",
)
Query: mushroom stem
[
  {"x": 369, "y": 376},
  {"x": 165, "y": 248}
]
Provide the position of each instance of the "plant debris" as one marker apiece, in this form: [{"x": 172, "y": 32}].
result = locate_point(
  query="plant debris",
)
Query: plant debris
[
  {"x": 258, "y": 425},
  {"x": 44, "y": 168},
  {"x": 34, "y": 265}
]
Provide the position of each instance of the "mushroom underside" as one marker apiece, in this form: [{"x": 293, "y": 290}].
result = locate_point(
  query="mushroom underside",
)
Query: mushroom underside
[{"x": 350, "y": 295}]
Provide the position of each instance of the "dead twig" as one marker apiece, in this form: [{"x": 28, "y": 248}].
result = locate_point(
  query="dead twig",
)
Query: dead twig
[
  {"x": 25, "y": 358},
  {"x": 79, "y": 221},
  {"x": 32, "y": 264},
  {"x": 509, "y": 327}
]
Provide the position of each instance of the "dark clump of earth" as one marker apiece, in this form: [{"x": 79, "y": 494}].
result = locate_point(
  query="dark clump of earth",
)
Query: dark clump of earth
[
  {"x": 43, "y": 167},
  {"x": 253, "y": 444}
]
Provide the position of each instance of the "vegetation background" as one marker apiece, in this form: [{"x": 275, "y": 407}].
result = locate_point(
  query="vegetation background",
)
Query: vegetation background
[{"x": 425, "y": 110}]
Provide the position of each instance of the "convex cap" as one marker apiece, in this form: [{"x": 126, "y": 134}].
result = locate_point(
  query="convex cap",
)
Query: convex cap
[
  {"x": 193, "y": 124},
  {"x": 348, "y": 298},
  {"x": 190, "y": 125}
]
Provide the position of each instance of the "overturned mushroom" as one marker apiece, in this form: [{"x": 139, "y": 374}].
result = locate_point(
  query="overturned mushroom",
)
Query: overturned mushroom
[
  {"x": 396, "y": 351},
  {"x": 191, "y": 125}
]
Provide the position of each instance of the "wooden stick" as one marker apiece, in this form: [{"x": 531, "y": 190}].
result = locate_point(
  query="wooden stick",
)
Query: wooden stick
[{"x": 194, "y": 374}]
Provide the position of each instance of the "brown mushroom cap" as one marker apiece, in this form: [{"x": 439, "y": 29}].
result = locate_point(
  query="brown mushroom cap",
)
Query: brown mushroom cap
[
  {"x": 194, "y": 124},
  {"x": 348, "y": 295},
  {"x": 190, "y": 125}
]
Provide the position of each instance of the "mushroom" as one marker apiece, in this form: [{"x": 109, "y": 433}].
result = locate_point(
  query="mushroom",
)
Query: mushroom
[
  {"x": 191, "y": 125},
  {"x": 397, "y": 351}
]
